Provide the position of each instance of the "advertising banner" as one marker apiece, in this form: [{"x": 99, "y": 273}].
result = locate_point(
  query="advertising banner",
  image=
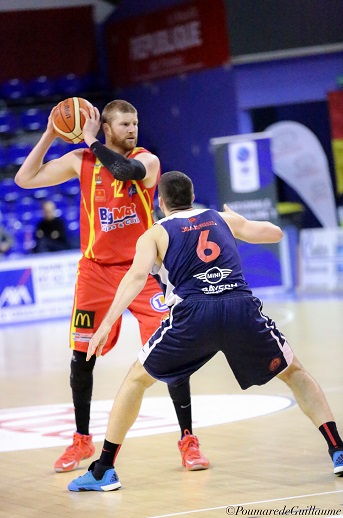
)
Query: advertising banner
[
  {"x": 37, "y": 287},
  {"x": 336, "y": 121},
  {"x": 299, "y": 159},
  {"x": 321, "y": 259},
  {"x": 168, "y": 42},
  {"x": 246, "y": 183}
]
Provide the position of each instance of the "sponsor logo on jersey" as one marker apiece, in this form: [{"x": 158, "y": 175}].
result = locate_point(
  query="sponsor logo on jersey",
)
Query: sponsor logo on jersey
[
  {"x": 118, "y": 217},
  {"x": 84, "y": 319},
  {"x": 16, "y": 288},
  {"x": 214, "y": 290},
  {"x": 81, "y": 337},
  {"x": 158, "y": 304},
  {"x": 199, "y": 226},
  {"x": 213, "y": 275}
]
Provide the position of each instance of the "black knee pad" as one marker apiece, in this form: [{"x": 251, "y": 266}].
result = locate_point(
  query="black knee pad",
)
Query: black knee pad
[{"x": 81, "y": 371}]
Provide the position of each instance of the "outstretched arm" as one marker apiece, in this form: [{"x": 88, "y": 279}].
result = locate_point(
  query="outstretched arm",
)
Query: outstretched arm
[
  {"x": 130, "y": 286},
  {"x": 251, "y": 231}
]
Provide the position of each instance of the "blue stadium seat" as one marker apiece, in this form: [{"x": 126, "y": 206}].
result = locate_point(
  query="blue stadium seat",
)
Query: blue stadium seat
[
  {"x": 8, "y": 122},
  {"x": 56, "y": 150},
  {"x": 34, "y": 119},
  {"x": 73, "y": 230},
  {"x": 30, "y": 217},
  {"x": 11, "y": 221},
  {"x": 71, "y": 188},
  {"x": 3, "y": 158},
  {"x": 13, "y": 89},
  {"x": 71, "y": 214},
  {"x": 10, "y": 196},
  {"x": 41, "y": 194},
  {"x": 58, "y": 198},
  {"x": 24, "y": 239},
  {"x": 18, "y": 152},
  {"x": 42, "y": 87},
  {"x": 8, "y": 185},
  {"x": 26, "y": 203},
  {"x": 70, "y": 85}
]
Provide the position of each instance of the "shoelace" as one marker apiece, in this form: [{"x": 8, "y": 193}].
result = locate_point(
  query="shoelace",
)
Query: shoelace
[
  {"x": 75, "y": 446},
  {"x": 190, "y": 446}
]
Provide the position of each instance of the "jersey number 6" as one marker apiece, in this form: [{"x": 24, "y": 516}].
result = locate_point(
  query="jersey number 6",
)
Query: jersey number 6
[{"x": 213, "y": 250}]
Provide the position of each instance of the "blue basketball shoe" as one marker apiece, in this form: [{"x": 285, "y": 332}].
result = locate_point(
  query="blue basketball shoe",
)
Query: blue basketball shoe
[
  {"x": 87, "y": 482},
  {"x": 337, "y": 458}
]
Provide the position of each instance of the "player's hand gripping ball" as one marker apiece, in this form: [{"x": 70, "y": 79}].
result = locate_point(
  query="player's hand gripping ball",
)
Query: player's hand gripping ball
[{"x": 67, "y": 119}]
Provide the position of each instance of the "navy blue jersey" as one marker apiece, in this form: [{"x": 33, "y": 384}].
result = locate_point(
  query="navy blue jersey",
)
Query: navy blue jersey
[{"x": 202, "y": 257}]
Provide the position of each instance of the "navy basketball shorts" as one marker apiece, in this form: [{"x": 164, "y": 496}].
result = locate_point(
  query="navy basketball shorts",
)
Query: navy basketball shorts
[{"x": 200, "y": 326}]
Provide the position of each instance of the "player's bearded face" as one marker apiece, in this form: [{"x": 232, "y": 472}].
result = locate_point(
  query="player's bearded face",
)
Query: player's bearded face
[{"x": 124, "y": 131}]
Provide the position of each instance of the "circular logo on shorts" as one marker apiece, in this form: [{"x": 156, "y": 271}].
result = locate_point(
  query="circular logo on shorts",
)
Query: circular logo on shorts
[
  {"x": 158, "y": 304},
  {"x": 274, "y": 364}
]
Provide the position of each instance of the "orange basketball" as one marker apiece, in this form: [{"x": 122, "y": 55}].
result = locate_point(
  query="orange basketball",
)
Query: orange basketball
[{"x": 67, "y": 119}]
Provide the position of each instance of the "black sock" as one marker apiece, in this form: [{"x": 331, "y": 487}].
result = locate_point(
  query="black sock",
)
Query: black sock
[
  {"x": 108, "y": 456},
  {"x": 81, "y": 382},
  {"x": 331, "y": 435},
  {"x": 181, "y": 397}
]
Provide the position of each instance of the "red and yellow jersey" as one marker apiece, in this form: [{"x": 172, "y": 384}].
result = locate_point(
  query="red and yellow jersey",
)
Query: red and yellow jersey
[{"x": 113, "y": 214}]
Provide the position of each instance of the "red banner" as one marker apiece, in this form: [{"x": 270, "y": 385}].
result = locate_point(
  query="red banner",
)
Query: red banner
[
  {"x": 172, "y": 41},
  {"x": 336, "y": 121},
  {"x": 48, "y": 42}
]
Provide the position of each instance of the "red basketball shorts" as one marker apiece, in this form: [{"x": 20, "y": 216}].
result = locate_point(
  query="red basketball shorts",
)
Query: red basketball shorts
[{"x": 95, "y": 288}]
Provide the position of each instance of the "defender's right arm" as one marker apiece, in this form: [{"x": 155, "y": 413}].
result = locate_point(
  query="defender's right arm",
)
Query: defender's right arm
[{"x": 33, "y": 173}]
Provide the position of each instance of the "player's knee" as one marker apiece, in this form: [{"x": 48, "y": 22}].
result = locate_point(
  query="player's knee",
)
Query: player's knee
[
  {"x": 294, "y": 370},
  {"x": 81, "y": 371},
  {"x": 138, "y": 374}
]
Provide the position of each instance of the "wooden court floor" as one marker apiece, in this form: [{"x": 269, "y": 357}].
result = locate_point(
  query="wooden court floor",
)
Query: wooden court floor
[{"x": 271, "y": 464}]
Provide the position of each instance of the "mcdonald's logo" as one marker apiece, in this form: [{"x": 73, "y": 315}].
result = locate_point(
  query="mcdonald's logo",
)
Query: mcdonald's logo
[{"x": 84, "y": 319}]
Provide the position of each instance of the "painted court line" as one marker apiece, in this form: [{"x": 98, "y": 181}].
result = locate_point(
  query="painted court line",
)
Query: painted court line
[{"x": 248, "y": 503}]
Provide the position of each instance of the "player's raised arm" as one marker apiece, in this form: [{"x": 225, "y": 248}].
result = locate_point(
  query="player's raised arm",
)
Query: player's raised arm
[{"x": 251, "y": 231}]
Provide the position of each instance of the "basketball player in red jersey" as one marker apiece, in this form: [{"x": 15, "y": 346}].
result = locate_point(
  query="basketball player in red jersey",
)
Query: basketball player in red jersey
[{"x": 118, "y": 182}]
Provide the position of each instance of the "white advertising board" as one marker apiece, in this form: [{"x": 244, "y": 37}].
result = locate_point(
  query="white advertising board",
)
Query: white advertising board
[
  {"x": 37, "y": 287},
  {"x": 321, "y": 259}
]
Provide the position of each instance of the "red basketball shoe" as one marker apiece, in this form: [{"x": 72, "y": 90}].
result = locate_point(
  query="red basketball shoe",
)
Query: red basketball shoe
[
  {"x": 192, "y": 458},
  {"x": 82, "y": 448}
]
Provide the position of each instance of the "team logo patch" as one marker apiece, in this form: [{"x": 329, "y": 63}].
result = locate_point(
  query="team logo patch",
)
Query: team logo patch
[
  {"x": 100, "y": 195},
  {"x": 84, "y": 319},
  {"x": 274, "y": 364},
  {"x": 132, "y": 190},
  {"x": 214, "y": 275},
  {"x": 157, "y": 303}
]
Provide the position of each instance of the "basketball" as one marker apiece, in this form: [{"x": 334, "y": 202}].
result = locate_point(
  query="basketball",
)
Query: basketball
[{"x": 68, "y": 121}]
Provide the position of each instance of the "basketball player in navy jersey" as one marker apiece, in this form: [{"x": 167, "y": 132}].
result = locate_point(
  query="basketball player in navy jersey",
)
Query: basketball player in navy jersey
[{"x": 212, "y": 309}]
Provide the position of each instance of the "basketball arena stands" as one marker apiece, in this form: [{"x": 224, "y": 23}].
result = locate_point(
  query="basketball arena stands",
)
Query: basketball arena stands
[{"x": 24, "y": 109}]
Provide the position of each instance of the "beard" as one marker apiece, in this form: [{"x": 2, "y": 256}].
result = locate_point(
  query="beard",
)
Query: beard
[{"x": 123, "y": 144}]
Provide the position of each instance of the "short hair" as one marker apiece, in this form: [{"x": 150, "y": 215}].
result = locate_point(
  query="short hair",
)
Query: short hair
[
  {"x": 176, "y": 190},
  {"x": 118, "y": 105}
]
